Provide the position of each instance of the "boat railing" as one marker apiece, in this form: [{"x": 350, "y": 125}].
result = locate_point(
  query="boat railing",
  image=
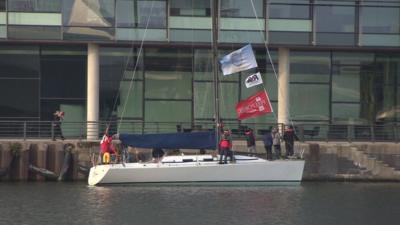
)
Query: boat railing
[{"x": 13, "y": 129}]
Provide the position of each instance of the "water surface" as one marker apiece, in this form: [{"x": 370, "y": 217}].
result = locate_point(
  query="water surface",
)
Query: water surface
[{"x": 310, "y": 203}]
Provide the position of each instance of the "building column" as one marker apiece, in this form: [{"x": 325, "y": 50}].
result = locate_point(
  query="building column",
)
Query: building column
[
  {"x": 92, "y": 113},
  {"x": 283, "y": 86}
]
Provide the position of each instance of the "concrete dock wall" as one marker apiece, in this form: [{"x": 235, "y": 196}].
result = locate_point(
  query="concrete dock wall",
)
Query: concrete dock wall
[{"x": 324, "y": 161}]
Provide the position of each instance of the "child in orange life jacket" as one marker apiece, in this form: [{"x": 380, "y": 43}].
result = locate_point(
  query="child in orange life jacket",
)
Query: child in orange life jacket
[
  {"x": 225, "y": 146},
  {"x": 106, "y": 147}
]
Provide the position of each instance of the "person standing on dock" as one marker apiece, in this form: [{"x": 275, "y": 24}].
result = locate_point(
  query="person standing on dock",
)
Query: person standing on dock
[
  {"x": 276, "y": 141},
  {"x": 267, "y": 139},
  {"x": 225, "y": 146},
  {"x": 289, "y": 136},
  {"x": 251, "y": 141},
  {"x": 58, "y": 118}
]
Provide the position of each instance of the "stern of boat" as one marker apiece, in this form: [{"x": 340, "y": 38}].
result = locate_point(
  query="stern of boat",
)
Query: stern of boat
[{"x": 97, "y": 173}]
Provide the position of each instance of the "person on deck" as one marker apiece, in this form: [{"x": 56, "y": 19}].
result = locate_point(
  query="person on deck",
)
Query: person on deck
[
  {"x": 268, "y": 141},
  {"x": 157, "y": 154},
  {"x": 107, "y": 148},
  {"x": 276, "y": 141},
  {"x": 225, "y": 146},
  {"x": 251, "y": 141},
  {"x": 58, "y": 118},
  {"x": 289, "y": 136}
]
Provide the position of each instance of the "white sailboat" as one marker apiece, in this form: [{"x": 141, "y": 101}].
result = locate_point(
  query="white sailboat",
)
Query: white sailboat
[{"x": 200, "y": 168}]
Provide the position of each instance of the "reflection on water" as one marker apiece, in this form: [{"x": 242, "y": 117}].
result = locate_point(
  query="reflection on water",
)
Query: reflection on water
[{"x": 308, "y": 204}]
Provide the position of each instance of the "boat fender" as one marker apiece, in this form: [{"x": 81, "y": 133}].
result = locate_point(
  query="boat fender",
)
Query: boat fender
[{"x": 106, "y": 158}]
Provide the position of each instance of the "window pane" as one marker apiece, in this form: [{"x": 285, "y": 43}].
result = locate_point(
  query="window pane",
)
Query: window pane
[
  {"x": 309, "y": 101},
  {"x": 309, "y": 66},
  {"x": 335, "y": 39},
  {"x": 117, "y": 66},
  {"x": 346, "y": 112},
  {"x": 229, "y": 96},
  {"x": 168, "y": 85},
  {"x": 286, "y": 11},
  {"x": 168, "y": 111},
  {"x": 346, "y": 83},
  {"x": 240, "y": 8},
  {"x": 19, "y": 61},
  {"x": 242, "y": 36},
  {"x": 335, "y": 18},
  {"x": 34, "y": 32},
  {"x": 300, "y": 38},
  {"x": 34, "y": 5},
  {"x": 203, "y": 65},
  {"x": 380, "y": 20},
  {"x": 190, "y": 8},
  {"x": 190, "y": 35},
  {"x": 130, "y": 100},
  {"x": 73, "y": 109},
  {"x": 203, "y": 100},
  {"x": 345, "y": 58},
  {"x": 152, "y": 13},
  {"x": 125, "y": 13},
  {"x": 63, "y": 73},
  {"x": 25, "y": 98},
  {"x": 2, "y": 5},
  {"x": 165, "y": 59},
  {"x": 88, "y": 13}
]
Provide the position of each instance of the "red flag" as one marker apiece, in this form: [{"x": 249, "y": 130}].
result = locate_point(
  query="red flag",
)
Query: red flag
[{"x": 253, "y": 106}]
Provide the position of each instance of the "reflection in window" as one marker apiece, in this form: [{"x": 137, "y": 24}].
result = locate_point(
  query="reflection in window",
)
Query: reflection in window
[
  {"x": 88, "y": 13},
  {"x": 34, "y": 5},
  {"x": 25, "y": 97},
  {"x": 88, "y": 33},
  {"x": 2, "y": 5},
  {"x": 299, "y": 10},
  {"x": 168, "y": 85},
  {"x": 34, "y": 32},
  {"x": 380, "y": 20},
  {"x": 309, "y": 67},
  {"x": 19, "y": 61},
  {"x": 346, "y": 83},
  {"x": 240, "y": 8},
  {"x": 335, "y": 18},
  {"x": 139, "y": 13},
  {"x": 153, "y": 13},
  {"x": 190, "y": 8},
  {"x": 309, "y": 101}
]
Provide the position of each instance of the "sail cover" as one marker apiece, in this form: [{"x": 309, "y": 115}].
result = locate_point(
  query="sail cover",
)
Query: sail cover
[{"x": 195, "y": 140}]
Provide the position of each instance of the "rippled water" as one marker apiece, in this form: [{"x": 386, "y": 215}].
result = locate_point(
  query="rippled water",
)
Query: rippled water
[{"x": 308, "y": 203}]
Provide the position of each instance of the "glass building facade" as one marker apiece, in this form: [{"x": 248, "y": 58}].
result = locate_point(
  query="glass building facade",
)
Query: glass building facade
[{"x": 156, "y": 58}]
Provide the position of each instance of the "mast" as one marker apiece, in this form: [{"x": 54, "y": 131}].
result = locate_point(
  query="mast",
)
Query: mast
[{"x": 214, "y": 10}]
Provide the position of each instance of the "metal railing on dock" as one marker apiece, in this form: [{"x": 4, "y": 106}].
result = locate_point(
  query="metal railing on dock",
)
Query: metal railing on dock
[{"x": 389, "y": 132}]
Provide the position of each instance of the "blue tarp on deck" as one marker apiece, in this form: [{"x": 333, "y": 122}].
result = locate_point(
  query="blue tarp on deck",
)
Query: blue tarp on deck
[{"x": 195, "y": 140}]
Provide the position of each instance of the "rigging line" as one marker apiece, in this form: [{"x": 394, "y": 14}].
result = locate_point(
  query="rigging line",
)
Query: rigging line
[
  {"x": 270, "y": 60},
  {"x": 136, "y": 64},
  {"x": 120, "y": 80}
]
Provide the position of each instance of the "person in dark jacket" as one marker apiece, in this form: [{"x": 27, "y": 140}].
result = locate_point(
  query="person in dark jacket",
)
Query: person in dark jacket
[
  {"x": 268, "y": 141},
  {"x": 289, "y": 136},
  {"x": 251, "y": 141},
  {"x": 58, "y": 118}
]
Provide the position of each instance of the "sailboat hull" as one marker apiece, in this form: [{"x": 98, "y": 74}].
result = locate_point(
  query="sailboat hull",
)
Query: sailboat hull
[{"x": 257, "y": 170}]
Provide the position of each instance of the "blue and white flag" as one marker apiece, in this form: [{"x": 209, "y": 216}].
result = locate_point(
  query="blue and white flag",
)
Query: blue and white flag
[
  {"x": 253, "y": 80},
  {"x": 239, "y": 60}
]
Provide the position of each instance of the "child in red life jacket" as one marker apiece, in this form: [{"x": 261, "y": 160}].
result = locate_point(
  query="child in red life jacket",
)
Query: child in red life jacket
[{"x": 225, "y": 146}]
